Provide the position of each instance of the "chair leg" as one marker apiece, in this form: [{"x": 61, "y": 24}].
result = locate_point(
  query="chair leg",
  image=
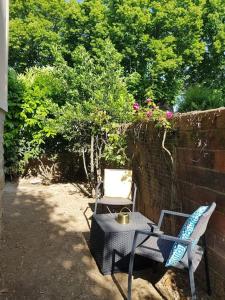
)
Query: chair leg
[
  {"x": 192, "y": 283},
  {"x": 96, "y": 204},
  {"x": 133, "y": 207},
  {"x": 209, "y": 291},
  {"x": 113, "y": 261},
  {"x": 131, "y": 266}
]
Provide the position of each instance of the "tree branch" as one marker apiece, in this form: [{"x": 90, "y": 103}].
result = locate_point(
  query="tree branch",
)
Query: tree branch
[{"x": 164, "y": 148}]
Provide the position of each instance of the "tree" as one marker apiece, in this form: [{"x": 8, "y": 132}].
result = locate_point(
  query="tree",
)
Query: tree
[
  {"x": 78, "y": 107},
  {"x": 200, "y": 98},
  {"x": 84, "y": 24},
  {"x": 210, "y": 72},
  {"x": 34, "y": 32},
  {"x": 97, "y": 106},
  {"x": 166, "y": 46},
  {"x": 159, "y": 41}
]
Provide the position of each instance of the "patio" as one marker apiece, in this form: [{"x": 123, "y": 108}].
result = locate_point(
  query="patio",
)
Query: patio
[
  {"x": 45, "y": 252},
  {"x": 91, "y": 84}
]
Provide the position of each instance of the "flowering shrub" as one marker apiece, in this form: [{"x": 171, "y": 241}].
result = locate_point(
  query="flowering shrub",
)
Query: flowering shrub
[{"x": 152, "y": 112}]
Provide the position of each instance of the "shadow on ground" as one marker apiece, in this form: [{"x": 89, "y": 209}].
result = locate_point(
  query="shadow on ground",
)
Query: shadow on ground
[{"x": 43, "y": 254}]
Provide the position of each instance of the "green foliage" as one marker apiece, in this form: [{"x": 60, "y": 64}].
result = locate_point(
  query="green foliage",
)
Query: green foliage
[
  {"x": 81, "y": 65},
  {"x": 158, "y": 40},
  {"x": 152, "y": 112},
  {"x": 84, "y": 24},
  {"x": 115, "y": 149},
  {"x": 201, "y": 98},
  {"x": 74, "y": 103},
  {"x": 210, "y": 71},
  {"x": 34, "y": 32},
  {"x": 163, "y": 44},
  {"x": 13, "y": 122},
  {"x": 33, "y": 97},
  {"x": 97, "y": 103},
  {"x": 43, "y": 92}
]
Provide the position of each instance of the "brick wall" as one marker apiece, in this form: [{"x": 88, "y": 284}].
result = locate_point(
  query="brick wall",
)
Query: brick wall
[
  {"x": 2, "y": 115},
  {"x": 197, "y": 176}
]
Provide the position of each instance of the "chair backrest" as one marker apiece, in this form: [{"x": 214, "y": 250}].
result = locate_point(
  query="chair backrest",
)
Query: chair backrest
[
  {"x": 202, "y": 223},
  {"x": 117, "y": 183}
]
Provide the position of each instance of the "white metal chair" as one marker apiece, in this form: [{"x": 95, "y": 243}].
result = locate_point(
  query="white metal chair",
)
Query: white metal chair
[{"x": 118, "y": 189}]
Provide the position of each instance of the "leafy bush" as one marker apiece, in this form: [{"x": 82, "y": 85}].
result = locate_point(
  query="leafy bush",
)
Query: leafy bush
[
  {"x": 33, "y": 97},
  {"x": 201, "y": 98},
  {"x": 98, "y": 103},
  {"x": 82, "y": 104},
  {"x": 13, "y": 123}
]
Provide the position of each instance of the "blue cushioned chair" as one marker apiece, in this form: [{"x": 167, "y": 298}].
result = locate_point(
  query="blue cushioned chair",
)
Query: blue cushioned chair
[{"x": 157, "y": 246}]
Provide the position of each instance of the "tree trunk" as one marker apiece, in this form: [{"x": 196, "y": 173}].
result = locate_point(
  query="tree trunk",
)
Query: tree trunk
[
  {"x": 84, "y": 164},
  {"x": 92, "y": 164}
]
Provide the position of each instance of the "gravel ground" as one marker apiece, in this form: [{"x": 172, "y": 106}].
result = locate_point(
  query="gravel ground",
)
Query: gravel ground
[{"x": 44, "y": 252}]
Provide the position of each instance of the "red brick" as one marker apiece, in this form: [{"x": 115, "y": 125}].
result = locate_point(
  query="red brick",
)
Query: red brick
[
  {"x": 188, "y": 206},
  {"x": 201, "y": 195},
  {"x": 219, "y": 287},
  {"x": 205, "y": 119},
  {"x": 217, "y": 263},
  {"x": 195, "y": 157},
  {"x": 217, "y": 284},
  {"x": 217, "y": 222},
  {"x": 210, "y": 238},
  {"x": 200, "y": 169},
  {"x": 220, "y": 122},
  {"x": 186, "y": 139},
  {"x": 219, "y": 162},
  {"x": 184, "y": 155},
  {"x": 201, "y": 176},
  {"x": 219, "y": 244},
  {"x": 211, "y": 139}
]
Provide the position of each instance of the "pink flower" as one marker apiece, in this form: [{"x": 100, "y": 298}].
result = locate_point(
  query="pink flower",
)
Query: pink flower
[
  {"x": 136, "y": 106},
  {"x": 169, "y": 115},
  {"x": 149, "y": 113},
  {"x": 149, "y": 100}
]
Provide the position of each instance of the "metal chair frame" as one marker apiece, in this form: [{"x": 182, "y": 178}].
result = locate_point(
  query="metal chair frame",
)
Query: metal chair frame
[
  {"x": 190, "y": 253},
  {"x": 98, "y": 196}
]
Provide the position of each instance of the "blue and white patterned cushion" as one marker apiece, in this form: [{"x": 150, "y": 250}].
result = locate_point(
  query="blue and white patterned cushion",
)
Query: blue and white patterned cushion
[{"x": 178, "y": 250}]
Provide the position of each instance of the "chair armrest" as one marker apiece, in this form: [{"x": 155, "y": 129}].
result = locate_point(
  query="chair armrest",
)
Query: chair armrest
[
  {"x": 170, "y": 212},
  {"x": 164, "y": 237},
  {"x": 187, "y": 242},
  {"x": 155, "y": 229},
  {"x": 97, "y": 189},
  {"x": 175, "y": 239}
]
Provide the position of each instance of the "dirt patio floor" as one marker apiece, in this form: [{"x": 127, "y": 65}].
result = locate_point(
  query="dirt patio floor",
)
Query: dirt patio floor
[{"x": 45, "y": 255}]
